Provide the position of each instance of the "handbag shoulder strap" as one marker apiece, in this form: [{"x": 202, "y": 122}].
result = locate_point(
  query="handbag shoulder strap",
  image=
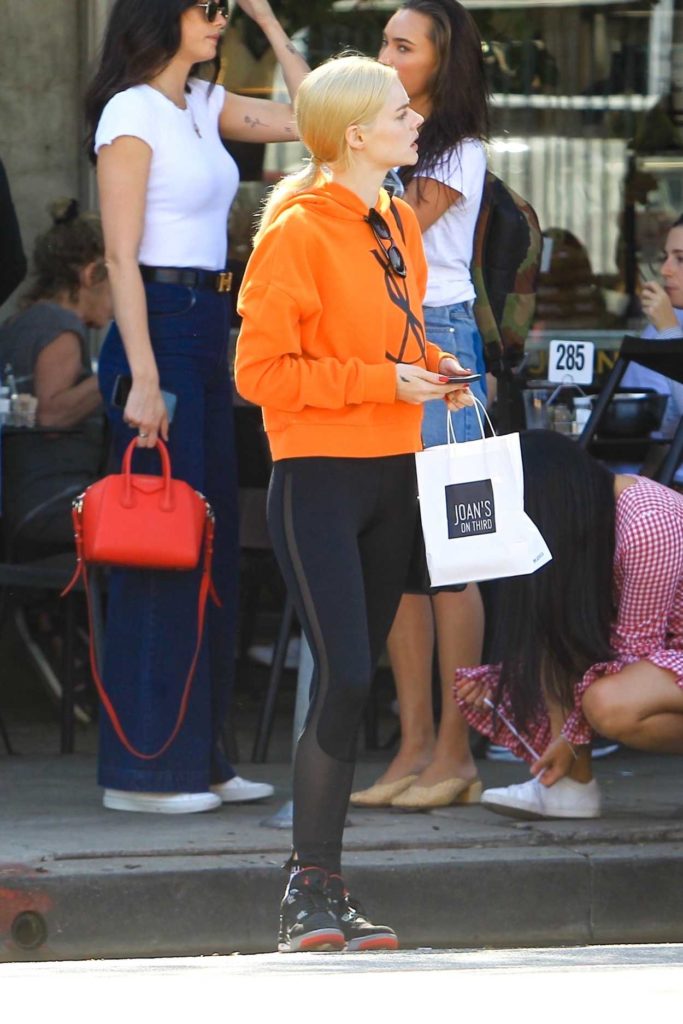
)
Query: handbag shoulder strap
[{"x": 206, "y": 590}]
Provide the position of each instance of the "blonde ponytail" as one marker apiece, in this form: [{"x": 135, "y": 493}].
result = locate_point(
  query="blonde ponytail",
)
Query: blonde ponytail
[
  {"x": 307, "y": 178},
  {"x": 345, "y": 90}
]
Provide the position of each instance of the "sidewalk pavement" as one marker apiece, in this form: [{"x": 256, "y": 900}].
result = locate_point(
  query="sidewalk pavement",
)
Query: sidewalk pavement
[{"x": 77, "y": 881}]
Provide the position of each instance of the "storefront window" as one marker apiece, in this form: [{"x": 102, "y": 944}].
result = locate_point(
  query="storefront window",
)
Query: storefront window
[{"x": 588, "y": 126}]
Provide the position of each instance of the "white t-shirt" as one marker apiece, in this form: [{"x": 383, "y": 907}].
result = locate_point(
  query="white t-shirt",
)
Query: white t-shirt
[
  {"x": 448, "y": 242},
  {"x": 192, "y": 179}
]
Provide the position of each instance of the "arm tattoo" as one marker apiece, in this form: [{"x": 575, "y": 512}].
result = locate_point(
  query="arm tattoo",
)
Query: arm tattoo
[{"x": 254, "y": 122}]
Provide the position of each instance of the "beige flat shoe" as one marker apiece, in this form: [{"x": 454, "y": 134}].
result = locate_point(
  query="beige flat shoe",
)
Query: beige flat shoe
[
  {"x": 442, "y": 794},
  {"x": 381, "y": 794}
]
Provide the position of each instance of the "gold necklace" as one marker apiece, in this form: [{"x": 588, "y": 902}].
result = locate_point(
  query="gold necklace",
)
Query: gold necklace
[{"x": 178, "y": 107}]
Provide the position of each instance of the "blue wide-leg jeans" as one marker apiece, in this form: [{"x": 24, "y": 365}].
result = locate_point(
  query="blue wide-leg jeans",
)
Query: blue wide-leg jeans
[
  {"x": 454, "y": 329},
  {"x": 152, "y": 616}
]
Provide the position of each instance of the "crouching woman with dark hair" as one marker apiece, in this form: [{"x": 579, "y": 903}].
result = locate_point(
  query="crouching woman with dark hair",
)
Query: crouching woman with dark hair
[{"x": 593, "y": 642}]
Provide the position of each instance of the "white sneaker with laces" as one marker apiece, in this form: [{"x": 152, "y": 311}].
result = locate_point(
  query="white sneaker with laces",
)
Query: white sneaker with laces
[
  {"x": 160, "y": 803},
  {"x": 530, "y": 800},
  {"x": 241, "y": 791}
]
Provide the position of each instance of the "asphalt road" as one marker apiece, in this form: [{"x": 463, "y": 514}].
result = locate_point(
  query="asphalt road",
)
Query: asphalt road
[{"x": 626, "y": 983}]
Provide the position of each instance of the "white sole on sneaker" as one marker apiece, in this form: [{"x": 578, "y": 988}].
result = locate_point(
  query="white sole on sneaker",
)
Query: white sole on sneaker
[
  {"x": 512, "y": 812},
  {"x": 532, "y": 801},
  {"x": 324, "y": 940},
  {"x": 160, "y": 803},
  {"x": 242, "y": 791}
]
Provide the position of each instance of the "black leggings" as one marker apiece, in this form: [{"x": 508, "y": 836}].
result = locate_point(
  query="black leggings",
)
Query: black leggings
[{"x": 342, "y": 530}]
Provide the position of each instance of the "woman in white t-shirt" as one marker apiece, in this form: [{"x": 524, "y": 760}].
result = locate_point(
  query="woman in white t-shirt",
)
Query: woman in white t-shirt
[
  {"x": 436, "y": 48},
  {"x": 166, "y": 185}
]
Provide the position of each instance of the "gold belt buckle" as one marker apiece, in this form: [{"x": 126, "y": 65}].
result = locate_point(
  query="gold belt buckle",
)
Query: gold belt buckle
[{"x": 224, "y": 281}]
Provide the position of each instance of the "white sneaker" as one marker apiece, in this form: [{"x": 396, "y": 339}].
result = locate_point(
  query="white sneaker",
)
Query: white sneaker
[
  {"x": 496, "y": 752},
  {"x": 160, "y": 803},
  {"x": 263, "y": 653},
  {"x": 529, "y": 800},
  {"x": 242, "y": 791}
]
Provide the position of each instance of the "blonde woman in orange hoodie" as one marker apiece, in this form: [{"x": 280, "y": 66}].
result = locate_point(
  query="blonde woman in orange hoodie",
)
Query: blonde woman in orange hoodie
[{"x": 333, "y": 347}]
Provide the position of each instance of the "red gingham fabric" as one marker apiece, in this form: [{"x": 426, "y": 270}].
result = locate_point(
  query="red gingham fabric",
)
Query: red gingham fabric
[{"x": 648, "y": 586}]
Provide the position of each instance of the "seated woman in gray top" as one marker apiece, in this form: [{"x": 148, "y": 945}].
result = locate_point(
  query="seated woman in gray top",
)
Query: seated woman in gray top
[{"x": 46, "y": 346}]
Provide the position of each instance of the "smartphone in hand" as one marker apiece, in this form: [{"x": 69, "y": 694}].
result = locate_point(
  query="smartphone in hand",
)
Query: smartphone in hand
[
  {"x": 469, "y": 378},
  {"x": 121, "y": 390}
]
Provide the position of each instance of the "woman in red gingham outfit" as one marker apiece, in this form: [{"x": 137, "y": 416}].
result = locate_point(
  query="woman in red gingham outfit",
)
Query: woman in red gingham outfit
[{"x": 593, "y": 642}]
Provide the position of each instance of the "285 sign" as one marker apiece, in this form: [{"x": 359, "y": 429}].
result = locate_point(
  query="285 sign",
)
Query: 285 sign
[{"x": 571, "y": 362}]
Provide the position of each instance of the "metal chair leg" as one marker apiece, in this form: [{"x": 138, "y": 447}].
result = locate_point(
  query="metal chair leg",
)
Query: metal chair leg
[
  {"x": 602, "y": 401},
  {"x": 5, "y": 737},
  {"x": 267, "y": 717},
  {"x": 4, "y": 606}
]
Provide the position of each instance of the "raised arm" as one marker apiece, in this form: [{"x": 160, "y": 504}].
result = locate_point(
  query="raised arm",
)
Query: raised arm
[
  {"x": 248, "y": 119},
  {"x": 122, "y": 173},
  {"x": 659, "y": 310}
]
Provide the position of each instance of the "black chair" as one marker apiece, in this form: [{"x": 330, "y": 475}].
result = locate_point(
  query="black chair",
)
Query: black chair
[
  {"x": 31, "y": 569},
  {"x": 665, "y": 357},
  {"x": 18, "y": 581}
]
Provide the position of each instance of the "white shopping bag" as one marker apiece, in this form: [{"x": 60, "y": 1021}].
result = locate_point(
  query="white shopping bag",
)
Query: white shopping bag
[{"x": 472, "y": 511}]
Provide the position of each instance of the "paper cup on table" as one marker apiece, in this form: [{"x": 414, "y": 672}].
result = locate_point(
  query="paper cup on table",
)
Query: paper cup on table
[{"x": 24, "y": 408}]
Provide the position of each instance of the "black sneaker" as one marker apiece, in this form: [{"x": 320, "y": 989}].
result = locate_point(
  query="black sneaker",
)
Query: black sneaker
[
  {"x": 360, "y": 934},
  {"x": 307, "y": 922}
]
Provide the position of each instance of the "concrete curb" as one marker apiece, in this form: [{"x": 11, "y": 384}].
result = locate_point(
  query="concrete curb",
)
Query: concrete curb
[{"x": 434, "y": 898}]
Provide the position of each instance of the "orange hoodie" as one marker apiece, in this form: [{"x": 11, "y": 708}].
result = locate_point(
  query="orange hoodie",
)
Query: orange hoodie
[{"x": 324, "y": 323}]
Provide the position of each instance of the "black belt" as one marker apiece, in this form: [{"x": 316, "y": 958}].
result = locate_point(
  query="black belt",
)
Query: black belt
[{"x": 216, "y": 280}]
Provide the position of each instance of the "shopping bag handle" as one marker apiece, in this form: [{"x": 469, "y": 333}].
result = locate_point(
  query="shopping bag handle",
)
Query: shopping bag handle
[{"x": 478, "y": 404}]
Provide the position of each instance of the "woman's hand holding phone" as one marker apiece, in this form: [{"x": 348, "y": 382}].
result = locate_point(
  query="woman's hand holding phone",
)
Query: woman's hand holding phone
[
  {"x": 657, "y": 306},
  {"x": 415, "y": 384},
  {"x": 146, "y": 412},
  {"x": 459, "y": 397},
  {"x": 138, "y": 416}
]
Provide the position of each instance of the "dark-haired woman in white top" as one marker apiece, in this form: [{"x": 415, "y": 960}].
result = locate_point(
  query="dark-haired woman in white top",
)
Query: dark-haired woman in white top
[{"x": 166, "y": 184}]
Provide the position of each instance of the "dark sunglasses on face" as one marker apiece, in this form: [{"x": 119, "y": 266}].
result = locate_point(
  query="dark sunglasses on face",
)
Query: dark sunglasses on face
[
  {"x": 213, "y": 10},
  {"x": 380, "y": 230}
]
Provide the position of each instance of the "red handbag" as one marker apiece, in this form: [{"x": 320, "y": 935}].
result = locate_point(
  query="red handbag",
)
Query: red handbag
[{"x": 144, "y": 522}]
